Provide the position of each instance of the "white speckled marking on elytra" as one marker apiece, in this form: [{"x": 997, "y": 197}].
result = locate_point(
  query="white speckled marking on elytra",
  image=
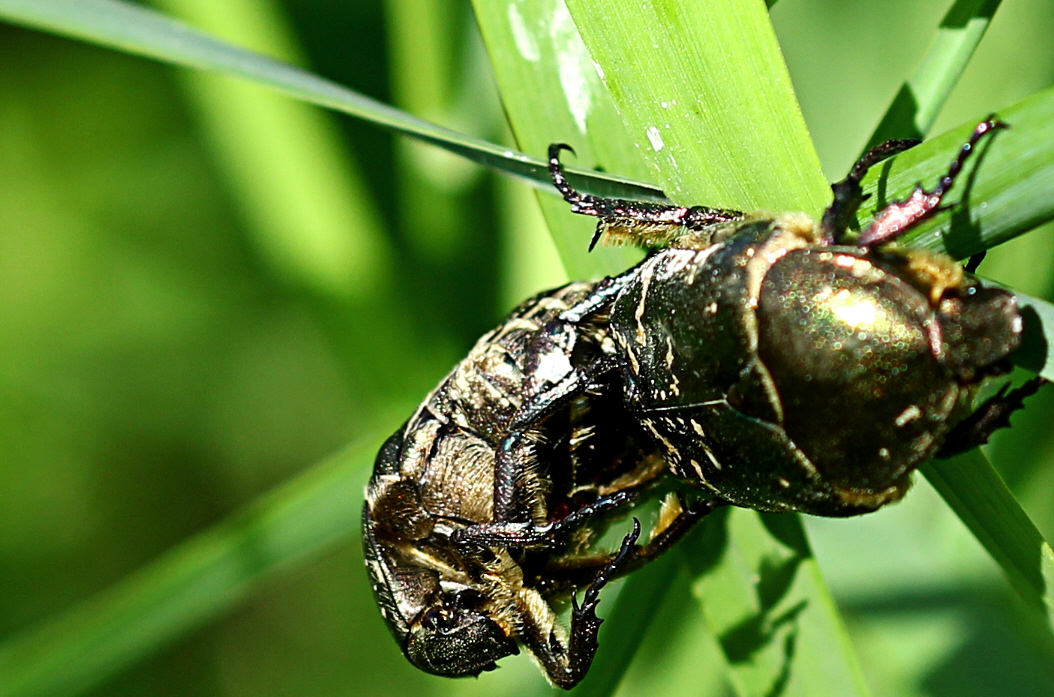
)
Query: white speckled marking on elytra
[
  {"x": 655, "y": 138},
  {"x": 698, "y": 260},
  {"x": 553, "y": 367},
  {"x": 645, "y": 283},
  {"x": 672, "y": 453},
  {"x": 710, "y": 454},
  {"x": 907, "y": 416},
  {"x": 521, "y": 36}
]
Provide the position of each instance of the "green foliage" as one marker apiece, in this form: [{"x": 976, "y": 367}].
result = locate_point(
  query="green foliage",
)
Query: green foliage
[{"x": 203, "y": 290}]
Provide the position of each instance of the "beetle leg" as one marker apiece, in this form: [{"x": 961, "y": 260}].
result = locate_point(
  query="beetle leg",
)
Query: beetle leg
[
  {"x": 636, "y": 222},
  {"x": 566, "y": 666},
  {"x": 574, "y": 572},
  {"x": 994, "y": 414},
  {"x": 501, "y": 534},
  {"x": 900, "y": 216},
  {"x": 551, "y": 382},
  {"x": 847, "y": 193},
  {"x": 602, "y": 297},
  {"x": 515, "y": 452},
  {"x": 974, "y": 261}
]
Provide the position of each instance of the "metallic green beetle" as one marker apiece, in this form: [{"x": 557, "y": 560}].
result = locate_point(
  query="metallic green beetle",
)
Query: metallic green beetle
[
  {"x": 766, "y": 360},
  {"x": 779, "y": 365}
]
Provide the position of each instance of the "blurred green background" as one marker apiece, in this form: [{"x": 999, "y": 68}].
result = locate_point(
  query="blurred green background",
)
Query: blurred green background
[{"x": 205, "y": 289}]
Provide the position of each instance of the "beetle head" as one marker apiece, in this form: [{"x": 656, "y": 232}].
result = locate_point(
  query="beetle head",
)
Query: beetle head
[{"x": 454, "y": 638}]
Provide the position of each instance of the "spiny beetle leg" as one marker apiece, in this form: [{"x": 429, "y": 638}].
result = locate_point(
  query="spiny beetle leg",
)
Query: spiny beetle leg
[
  {"x": 567, "y": 668},
  {"x": 561, "y": 574},
  {"x": 529, "y": 534},
  {"x": 994, "y": 414},
  {"x": 584, "y": 621},
  {"x": 635, "y": 216},
  {"x": 900, "y": 216},
  {"x": 847, "y": 193}
]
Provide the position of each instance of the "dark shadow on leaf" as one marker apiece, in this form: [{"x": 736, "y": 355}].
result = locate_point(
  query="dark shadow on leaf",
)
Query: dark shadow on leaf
[
  {"x": 993, "y": 656},
  {"x": 708, "y": 542},
  {"x": 960, "y": 14},
  {"x": 1034, "y": 350},
  {"x": 899, "y": 120},
  {"x": 771, "y": 626}
]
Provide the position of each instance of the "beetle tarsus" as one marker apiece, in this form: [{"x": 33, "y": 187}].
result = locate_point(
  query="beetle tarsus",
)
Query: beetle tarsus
[
  {"x": 584, "y": 621},
  {"x": 974, "y": 261},
  {"x": 637, "y": 222},
  {"x": 528, "y": 534}
]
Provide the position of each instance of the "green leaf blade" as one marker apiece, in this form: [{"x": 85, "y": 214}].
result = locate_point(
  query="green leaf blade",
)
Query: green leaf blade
[
  {"x": 712, "y": 111},
  {"x": 921, "y": 98},
  {"x": 978, "y": 495},
  {"x": 765, "y": 599}
]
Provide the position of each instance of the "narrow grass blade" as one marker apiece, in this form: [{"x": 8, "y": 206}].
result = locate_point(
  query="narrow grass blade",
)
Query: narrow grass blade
[
  {"x": 308, "y": 209},
  {"x": 978, "y": 495},
  {"x": 140, "y": 31},
  {"x": 1003, "y": 192},
  {"x": 921, "y": 98},
  {"x": 190, "y": 585}
]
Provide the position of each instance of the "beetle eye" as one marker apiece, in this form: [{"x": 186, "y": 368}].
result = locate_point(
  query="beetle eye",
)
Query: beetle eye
[{"x": 433, "y": 618}]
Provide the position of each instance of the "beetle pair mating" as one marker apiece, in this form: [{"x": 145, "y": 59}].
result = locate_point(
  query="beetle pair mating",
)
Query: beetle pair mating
[{"x": 768, "y": 361}]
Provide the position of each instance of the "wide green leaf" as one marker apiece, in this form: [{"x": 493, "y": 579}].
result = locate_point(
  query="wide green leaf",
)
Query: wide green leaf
[{"x": 707, "y": 101}]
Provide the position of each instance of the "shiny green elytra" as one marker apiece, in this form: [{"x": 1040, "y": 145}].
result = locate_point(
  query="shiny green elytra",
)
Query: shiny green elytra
[{"x": 783, "y": 374}]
